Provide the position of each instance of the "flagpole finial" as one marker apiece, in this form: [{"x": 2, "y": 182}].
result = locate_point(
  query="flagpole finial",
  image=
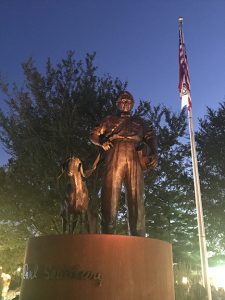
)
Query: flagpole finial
[{"x": 180, "y": 19}]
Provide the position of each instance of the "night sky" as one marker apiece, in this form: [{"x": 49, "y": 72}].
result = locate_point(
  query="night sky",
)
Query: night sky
[{"x": 134, "y": 40}]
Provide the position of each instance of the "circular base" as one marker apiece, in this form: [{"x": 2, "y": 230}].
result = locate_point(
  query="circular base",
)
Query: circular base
[{"x": 97, "y": 267}]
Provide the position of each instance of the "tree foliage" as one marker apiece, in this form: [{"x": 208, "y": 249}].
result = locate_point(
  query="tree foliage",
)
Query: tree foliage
[
  {"x": 169, "y": 189},
  {"x": 49, "y": 119},
  {"x": 211, "y": 148}
]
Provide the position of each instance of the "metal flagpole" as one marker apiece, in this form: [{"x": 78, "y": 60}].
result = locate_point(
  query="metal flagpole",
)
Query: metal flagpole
[{"x": 198, "y": 201}]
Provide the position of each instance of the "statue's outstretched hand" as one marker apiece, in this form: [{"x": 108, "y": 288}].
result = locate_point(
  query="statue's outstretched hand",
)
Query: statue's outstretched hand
[{"x": 107, "y": 145}]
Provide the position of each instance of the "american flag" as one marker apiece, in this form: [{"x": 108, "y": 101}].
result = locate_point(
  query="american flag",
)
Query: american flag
[{"x": 184, "y": 80}]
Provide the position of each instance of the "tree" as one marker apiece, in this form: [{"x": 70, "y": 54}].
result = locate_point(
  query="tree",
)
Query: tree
[
  {"x": 48, "y": 120},
  {"x": 52, "y": 115},
  {"x": 211, "y": 148},
  {"x": 170, "y": 207}
]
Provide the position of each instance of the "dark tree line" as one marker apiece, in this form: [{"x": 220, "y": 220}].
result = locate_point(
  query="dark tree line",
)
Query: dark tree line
[
  {"x": 50, "y": 118},
  {"x": 211, "y": 149}
]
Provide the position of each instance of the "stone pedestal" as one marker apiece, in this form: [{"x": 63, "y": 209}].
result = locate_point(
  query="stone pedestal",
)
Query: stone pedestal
[{"x": 97, "y": 267}]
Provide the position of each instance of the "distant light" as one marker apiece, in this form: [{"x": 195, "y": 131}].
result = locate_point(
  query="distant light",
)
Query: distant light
[
  {"x": 184, "y": 280},
  {"x": 216, "y": 275},
  {"x": 5, "y": 277}
]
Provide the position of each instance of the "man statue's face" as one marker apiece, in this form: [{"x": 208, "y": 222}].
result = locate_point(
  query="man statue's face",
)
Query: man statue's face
[{"x": 125, "y": 105}]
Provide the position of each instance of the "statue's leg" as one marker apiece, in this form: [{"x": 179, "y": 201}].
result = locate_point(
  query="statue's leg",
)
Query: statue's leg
[
  {"x": 86, "y": 222},
  {"x": 92, "y": 220},
  {"x": 64, "y": 223},
  {"x": 111, "y": 188},
  {"x": 70, "y": 220},
  {"x": 84, "y": 228},
  {"x": 74, "y": 220},
  {"x": 64, "y": 219},
  {"x": 134, "y": 185}
]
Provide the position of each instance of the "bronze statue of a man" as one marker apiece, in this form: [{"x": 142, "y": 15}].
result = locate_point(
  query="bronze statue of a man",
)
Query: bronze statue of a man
[{"x": 123, "y": 137}]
